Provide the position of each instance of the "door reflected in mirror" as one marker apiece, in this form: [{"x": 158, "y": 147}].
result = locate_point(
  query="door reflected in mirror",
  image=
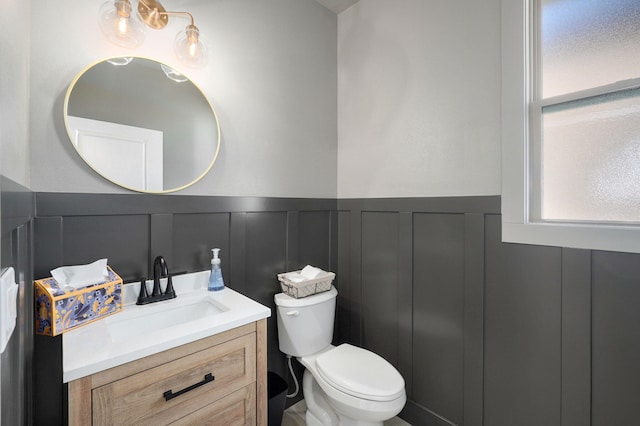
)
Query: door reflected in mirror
[{"x": 141, "y": 124}]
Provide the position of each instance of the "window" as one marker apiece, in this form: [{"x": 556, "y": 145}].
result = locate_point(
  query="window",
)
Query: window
[{"x": 571, "y": 123}]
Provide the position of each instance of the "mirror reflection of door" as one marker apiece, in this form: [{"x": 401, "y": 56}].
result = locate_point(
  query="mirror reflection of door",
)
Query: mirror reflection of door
[{"x": 130, "y": 156}]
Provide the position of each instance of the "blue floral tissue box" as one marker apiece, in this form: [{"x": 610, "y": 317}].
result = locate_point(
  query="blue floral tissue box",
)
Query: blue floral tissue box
[{"x": 58, "y": 310}]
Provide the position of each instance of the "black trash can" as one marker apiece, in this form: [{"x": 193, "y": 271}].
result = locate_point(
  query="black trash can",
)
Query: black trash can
[{"x": 277, "y": 392}]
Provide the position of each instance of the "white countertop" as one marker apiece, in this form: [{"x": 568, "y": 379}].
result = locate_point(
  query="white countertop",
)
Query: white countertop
[{"x": 133, "y": 333}]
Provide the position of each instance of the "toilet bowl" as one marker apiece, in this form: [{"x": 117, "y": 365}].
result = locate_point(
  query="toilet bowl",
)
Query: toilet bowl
[
  {"x": 343, "y": 385},
  {"x": 357, "y": 384}
]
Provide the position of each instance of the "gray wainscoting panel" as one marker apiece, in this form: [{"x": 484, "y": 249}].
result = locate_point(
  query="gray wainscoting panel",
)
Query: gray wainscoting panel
[
  {"x": 473, "y": 334},
  {"x": 266, "y": 253},
  {"x": 484, "y": 333},
  {"x": 237, "y": 273},
  {"x": 267, "y": 256},
  {"x": 161, "y": 240},
  {"x": 380, "y": 284},
  {"x": 438, "y": 313},
  {"x": 522, "y": 332},
  {"x": 293, "y": 241},
  {"x": 616, "y": 338},
  {"x": 16, "y": 238},
  {"x": 576, "y": 337},
  {"x": 124, "y": 240},
  {"x": 432, "y": 251},
  {"x": 314, "y": 237},
  {"x": 194, "y": 235},
  {"x": 405, "y": 298},
  {"x": 74, "y": 204},
  {"x": 16, "y": 358},
  {"x": 48, "y": 389},
  {"x": 355, "y": 277},
  {"x": 343, "y": 278}
]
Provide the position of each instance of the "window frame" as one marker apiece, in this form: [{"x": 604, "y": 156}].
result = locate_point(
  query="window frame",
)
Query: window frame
[{"x": 521, "y": 118}]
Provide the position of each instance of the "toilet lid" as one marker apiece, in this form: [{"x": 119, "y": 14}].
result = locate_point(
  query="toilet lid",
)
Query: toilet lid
[{"x": 360, "y": 373}]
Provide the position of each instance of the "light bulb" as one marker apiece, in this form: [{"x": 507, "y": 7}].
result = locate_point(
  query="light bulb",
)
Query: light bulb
[
  {"x": 119, "y": 26},
  {"x": 122, "y": 25},
  {"x": 190, "y": 49}
]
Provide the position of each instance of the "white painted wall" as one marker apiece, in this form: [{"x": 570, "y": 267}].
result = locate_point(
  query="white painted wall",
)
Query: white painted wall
[
  {"x": 272, "y": 80},
  {"x": 419, "y": 98},
  {"x": 416, "y": 84},
  {"x": 14, "y": 91}
]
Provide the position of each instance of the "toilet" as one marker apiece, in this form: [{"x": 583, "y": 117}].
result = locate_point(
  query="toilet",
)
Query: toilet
[{"x": 342, "y": 385}]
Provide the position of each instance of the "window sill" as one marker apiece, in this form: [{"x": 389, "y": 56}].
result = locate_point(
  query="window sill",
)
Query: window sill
[{"x": 596, "y": 237}]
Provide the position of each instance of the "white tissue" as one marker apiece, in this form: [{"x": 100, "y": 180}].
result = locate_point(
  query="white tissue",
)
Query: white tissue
[
  {"x": 81, "y": 275},
  {"x": 310, "y": 272},
  {"x": 294, "y": 277},
  {"x": 307, "y": 273}
]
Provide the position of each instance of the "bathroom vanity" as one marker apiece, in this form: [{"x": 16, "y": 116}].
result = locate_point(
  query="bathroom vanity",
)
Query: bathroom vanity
[{"x": 199, "y": 358}]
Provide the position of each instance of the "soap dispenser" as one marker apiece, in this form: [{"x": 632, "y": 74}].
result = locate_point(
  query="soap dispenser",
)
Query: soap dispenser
[{"x": 216, "y": 283}]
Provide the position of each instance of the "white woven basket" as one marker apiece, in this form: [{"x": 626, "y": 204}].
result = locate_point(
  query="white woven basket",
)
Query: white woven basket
[{"x": 306, "y": 288}]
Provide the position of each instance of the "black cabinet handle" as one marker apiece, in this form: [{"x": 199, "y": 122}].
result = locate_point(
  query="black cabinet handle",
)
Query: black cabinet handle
[{"x": 168, "y": 395}]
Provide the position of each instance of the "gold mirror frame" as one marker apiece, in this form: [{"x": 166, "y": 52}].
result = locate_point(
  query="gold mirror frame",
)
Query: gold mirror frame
[{"x": 94, "y": 92}]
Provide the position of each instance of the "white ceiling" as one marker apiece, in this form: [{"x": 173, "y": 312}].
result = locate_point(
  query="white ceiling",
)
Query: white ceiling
[{"x": 337, "y": 5}]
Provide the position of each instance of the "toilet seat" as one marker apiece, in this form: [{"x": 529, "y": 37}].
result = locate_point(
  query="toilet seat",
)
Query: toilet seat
[{"x": 360, "y": 373}]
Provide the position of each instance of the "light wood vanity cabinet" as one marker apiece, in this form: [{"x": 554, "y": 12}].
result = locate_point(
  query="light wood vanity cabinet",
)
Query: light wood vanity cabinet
[{"x": 218, "y": 380}]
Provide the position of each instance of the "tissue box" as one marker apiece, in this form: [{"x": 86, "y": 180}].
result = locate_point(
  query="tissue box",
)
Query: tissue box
[{"x": 58, "y": 310}]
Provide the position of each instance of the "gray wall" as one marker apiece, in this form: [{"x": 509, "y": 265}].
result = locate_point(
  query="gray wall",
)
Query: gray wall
[
  {"x": 15, "y": 361},
  {"x": 486, "y": 332}
]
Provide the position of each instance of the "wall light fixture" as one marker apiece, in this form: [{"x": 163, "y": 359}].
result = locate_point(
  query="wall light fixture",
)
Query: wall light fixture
[{"x": 121, "y": 28}]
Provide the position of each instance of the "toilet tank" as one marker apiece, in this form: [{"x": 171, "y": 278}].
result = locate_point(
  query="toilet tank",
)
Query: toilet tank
[{"x": 305, "y": 326}]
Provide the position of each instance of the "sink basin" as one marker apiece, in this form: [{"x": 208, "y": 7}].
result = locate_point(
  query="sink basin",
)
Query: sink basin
[
  {"x": 160, "y": 318},
  {"x": 140, "y": 331}
]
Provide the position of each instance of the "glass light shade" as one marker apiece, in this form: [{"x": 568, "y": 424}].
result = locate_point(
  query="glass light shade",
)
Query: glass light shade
[
  {"x": 118, "y": 24},
  {"x": 120, "y": 61},
  {"x": 173, "y": 74},
  {"x": 190, "y": 49}
]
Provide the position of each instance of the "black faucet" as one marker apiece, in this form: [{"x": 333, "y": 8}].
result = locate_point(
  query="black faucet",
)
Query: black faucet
[{"x": 160, "y": 270}]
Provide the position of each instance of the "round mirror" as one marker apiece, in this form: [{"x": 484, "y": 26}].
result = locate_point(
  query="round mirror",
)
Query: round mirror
[{"x": 141, "y": 124}]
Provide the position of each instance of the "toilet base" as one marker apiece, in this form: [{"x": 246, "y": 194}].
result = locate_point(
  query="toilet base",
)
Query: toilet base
[{"x": 320, "y": 412}]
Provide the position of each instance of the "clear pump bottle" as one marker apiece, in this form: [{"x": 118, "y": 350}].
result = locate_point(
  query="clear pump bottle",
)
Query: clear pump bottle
[{"x": 216, "y": 283}]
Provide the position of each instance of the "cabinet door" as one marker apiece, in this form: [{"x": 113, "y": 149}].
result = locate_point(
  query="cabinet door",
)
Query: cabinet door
[
  {"x": 236, "y": 409},
  {"x": 141, "y": 399}
]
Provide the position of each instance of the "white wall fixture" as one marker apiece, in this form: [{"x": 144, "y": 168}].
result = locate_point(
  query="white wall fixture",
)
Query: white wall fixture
[
  {"x": 8, "y": 295},
  {"x": 121, "y": 28}
]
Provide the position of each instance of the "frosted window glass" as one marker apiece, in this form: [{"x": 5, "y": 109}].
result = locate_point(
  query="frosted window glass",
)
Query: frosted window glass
[
  {"x": 591, "y": 159},
  {"x": 588, "y": 43}
]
